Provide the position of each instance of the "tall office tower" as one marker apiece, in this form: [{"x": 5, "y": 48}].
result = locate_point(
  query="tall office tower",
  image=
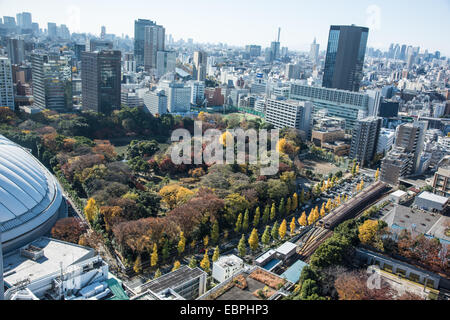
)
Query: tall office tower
[
  {"x": 101, "y": 80},
  {"x": 345, "y": 57},
  {"x": 9, "y": 22},
  {"x": 24, "y": 20},
  {"x": 314, "y": 52},
  {"x": 282, "y": 113},
  {"x": 154, "y": 41},
  {"x": 103, "y": 32},
  {"x": 275, "y": 50},
  {"x": 16, "y": 50},
  {"x": 402, "y": 55},
  {"x": 365, "y": 140},
  {"x": 197, "y": 93},
  {"x": 166, "y": 61},
  {"x": 6, "y": 85},
  {"x": 52, "y": 30},
  {"x": 292, "y": 71},
  {"x": 253, "y": 50},
  {"x": 98, "y": 45},
  {"x": 35, "y": 28},
  {"x": 52, "y": 81},
  {"x": 78, "y": 48},
  {"x": 139, "y": 39},
  {"x": 129, "y": 63},
  {"x": 411, "y": 136},
  {"x": 199, "y": 70},
  {"x": 63, "y": 32}
]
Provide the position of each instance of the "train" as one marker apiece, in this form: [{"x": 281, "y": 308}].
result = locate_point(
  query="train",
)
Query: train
[{"x": 353, "y": 206}]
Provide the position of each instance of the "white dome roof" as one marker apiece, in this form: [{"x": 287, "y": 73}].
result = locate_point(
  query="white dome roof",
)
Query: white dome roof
[{"x": 29, "y": 194}]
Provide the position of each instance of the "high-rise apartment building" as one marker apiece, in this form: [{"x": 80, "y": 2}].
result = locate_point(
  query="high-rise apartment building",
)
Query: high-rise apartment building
[
  {"x": 139, "y": 39},
  {"x": 197, "y": 93},
  {"x": 253, "y": 50},
  {"x": 345, "y": 57},
  {"x": 52, "y": 81},
  {"x": 6, "y": 84},
  {"x": 154, "y": 41},
  {"x": 411, "y": 136},
  {"x": 199, "y": 70},
  {"x": 365, "y": 140},
  {"x": 101, "y": 80}
]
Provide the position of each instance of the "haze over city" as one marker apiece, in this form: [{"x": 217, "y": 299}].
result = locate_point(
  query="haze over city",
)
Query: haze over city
[{"x": 238, "y": 22}]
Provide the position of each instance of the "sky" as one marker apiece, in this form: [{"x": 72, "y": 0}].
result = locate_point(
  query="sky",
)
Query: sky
[{"x": 240, "y": 22}]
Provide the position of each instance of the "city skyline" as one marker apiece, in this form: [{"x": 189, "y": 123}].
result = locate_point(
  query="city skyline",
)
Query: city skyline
[{"x": 388, "y": 22}]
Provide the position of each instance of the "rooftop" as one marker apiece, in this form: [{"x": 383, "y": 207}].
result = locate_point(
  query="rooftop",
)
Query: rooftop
[
  {"x": 433, "y": 197},
  {"x": 419, "y": 221},
  {"x": 172, "y": 279},
  {"x": 228, "y": 261},
  {"x": 286, "y": 248},
  {"x": 18, "y": 267}
]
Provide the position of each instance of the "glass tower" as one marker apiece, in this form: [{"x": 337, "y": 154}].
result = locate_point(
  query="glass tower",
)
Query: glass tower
[{"x": 345, "y": 57}]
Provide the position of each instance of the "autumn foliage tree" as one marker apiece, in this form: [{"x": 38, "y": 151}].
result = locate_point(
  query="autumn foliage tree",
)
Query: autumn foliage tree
[
  {"x": 253, "y": 240},
  {"x": 353, "y": 286},
  {"x": 69, "y": 229}
]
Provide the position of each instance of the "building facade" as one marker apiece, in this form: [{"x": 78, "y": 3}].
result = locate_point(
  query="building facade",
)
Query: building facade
[
  {"x": 345, "y": 57},
  {"x": 6, "y": 84},
  {"x": 200, "y": 61},
  {"x": 101, "y": 80},
  {"x": 365, "y": 140}
]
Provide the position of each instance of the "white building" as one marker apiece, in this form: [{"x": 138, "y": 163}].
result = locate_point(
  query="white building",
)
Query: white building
[
  {"x": 398, "y": 196},
  {"x": 53, "y": 269},
  {"x": 6, "y": 85},
  {"x": 226, "y": 267},
  {"x": 290, "y": 113},
  {"x": 178, "y": 96},
  {"x": 430, "y": 201},
  {"x": 385, "y": 140},
  {"x": 197, "y": 93},
  {"x": 156, "y": 102}
]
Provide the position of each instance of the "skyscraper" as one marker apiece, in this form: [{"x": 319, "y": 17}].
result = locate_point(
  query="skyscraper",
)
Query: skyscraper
[
  {"x": 6, "y": 87},
  {"x": 365, "y": 140},
  {"x": 100, "y": 80},
  {"x": 345, "y": 57},
  {"x": 154, "y": 41},
  {"x": 139, "y": 39},
  {"x": 52, "y": 81},
  {"x": 16, "y": 50},
  {"x": 165, "y": 62},
  {"x": 24, "y": 20},
  {"x": 200, "y": 60},
  {"x": 52, "y": 30},
  {"x": 314, "y": 52}
]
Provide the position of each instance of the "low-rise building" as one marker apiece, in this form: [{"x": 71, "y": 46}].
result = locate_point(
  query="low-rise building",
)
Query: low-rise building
[
  {"x": 226, "y": 267},
  {"x": 430, "y": 201},
  {"x": 441, "y": 182}
]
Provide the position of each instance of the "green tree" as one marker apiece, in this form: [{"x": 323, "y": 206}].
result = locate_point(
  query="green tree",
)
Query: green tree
[
  {"x": 256, "y": 217},
  {"x": 241, "y": 246},
  {"x": 215, "y": 232},
  {"x": 266, "y": 215},
  {"x": 302, "y": 197},
  {"x": 165, "y": 250},
  {"x": 193, "y": 263},
  {"x": 253, "y": 240},
  {"x": 274, "y": 232},
  {"x": 216, "y": 254},
  {"x": 289, "y": 206},
  {"x": 238, "y": 225},
  {"x": 282, "y": 208},
  {"x": 265, "y": 239},
  {"x": 245, "y": 223},
  {"x": 273, "y": 212}
]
